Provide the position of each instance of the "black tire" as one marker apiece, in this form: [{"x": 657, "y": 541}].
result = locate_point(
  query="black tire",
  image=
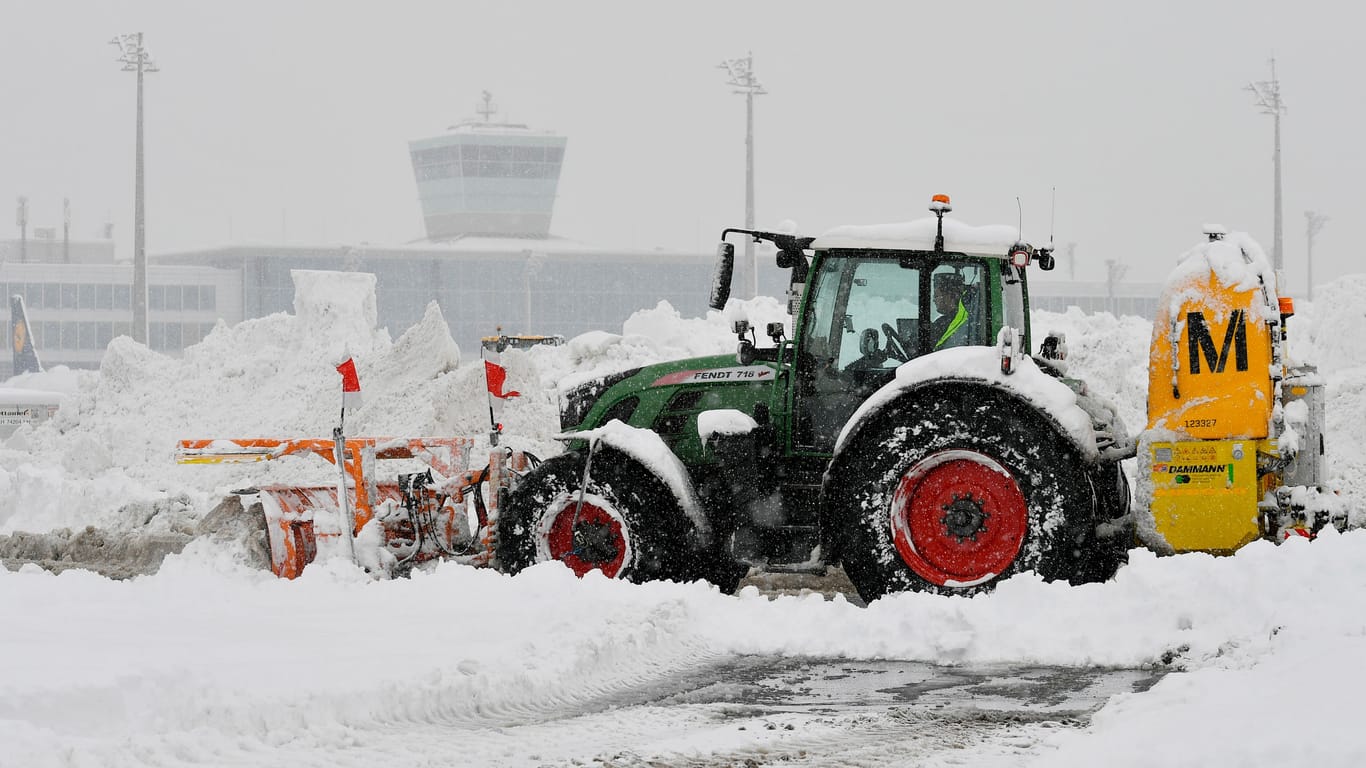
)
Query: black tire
[
  {"x": 1116, "y": 531},
  {"x": 629, "y": 527},
  {"x": 953, "y": 487}
]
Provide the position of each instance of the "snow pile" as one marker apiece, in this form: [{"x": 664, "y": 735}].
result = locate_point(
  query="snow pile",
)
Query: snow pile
[
  {"x": 1110, "y": 353},
  {"x": 652, "y": 336},
  {"x": 108, "y": 454},
  {"x": 59, "y": 379},
  {"x": 1327, "y": 333},
  {"x": 212, "y": 664},
  {"x": 107, "y": 458}
]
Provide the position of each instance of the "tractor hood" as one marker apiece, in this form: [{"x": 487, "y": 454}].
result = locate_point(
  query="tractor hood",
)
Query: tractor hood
[{"x": 637, "y": 396}]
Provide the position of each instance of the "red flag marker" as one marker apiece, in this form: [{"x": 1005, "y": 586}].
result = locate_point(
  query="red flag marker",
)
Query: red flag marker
[
  {"x": 350, "y": 384},
  {"x": 495, "y": 377}
]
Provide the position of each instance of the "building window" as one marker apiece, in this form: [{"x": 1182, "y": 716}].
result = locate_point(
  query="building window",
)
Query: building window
[
  {"x": 85, "y": 335},
  {"x": 104, "y": 296},
  {"x": 189, "y": 298},
  {"x": 207, "y": 297},
  {"x": 69, "y": 293},
  {"x": 205, "y": 329},
  {"x": 43, "y": 295},
  {"x": 156, "y": 297},
  {"x": 51, "y": 336},
  {"x": 69, "y": 337},
  {"x": 123, "y": 297},
  {"x": 173, "y": 298},
  {"x": 156, "y": 336},
  {"x": 104, "y": 333},
  {"x": 123, "y": 328},
  {"x": 173, "y": 337},
  {"x": 86, "y": 295}
]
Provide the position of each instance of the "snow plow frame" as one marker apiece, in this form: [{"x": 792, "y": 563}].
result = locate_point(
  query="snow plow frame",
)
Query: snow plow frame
[{"x": 434, "y": 500}]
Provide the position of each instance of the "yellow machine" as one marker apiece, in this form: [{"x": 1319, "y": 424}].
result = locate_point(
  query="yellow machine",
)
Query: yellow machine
[{"x": 1233, "y": 450}]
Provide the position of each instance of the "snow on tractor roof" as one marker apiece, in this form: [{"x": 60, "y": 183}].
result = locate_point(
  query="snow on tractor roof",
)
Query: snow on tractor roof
[{"x": 918, "y": 235}]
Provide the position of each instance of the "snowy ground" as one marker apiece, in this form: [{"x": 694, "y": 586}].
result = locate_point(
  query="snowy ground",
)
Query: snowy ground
[{"x": 213, "y": 662}]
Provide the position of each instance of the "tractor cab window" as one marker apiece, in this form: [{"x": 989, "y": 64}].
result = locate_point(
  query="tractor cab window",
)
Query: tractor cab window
[
  {"x": 867, "y": 315},
  {"x": 864, "y": 320},
  {"x": 881, "y": 316},
  {"x": 957, "y": 312}
]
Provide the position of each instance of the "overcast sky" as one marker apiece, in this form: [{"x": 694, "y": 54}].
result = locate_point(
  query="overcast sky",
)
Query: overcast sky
[{"x": 289, "y": 121}]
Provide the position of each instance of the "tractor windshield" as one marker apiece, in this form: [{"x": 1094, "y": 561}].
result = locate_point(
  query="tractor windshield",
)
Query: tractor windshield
[{"x": 870, "y": 312}]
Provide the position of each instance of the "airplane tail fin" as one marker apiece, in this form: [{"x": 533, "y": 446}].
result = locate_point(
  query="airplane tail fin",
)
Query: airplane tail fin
[{"x": 25, "y": 354}]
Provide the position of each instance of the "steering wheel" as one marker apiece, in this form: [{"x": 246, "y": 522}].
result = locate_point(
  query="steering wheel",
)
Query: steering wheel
[{"x": 894, "y": 346}]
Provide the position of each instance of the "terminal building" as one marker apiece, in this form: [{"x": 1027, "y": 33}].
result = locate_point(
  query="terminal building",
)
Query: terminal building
[{"x": 489, "y": 259}]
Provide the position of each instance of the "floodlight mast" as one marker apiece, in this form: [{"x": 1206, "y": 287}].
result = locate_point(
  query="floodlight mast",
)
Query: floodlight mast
[
  {"x": 135, "y": 58},
  {"x": 741, "y": 73},
  {"x": 1268, "y": 93}
]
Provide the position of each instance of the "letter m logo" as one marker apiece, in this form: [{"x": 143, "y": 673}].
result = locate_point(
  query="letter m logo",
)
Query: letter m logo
[{"x": 1201, "y": 343}]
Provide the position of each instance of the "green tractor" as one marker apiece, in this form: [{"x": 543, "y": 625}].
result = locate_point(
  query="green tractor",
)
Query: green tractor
[{"x": 902, "y": 431}]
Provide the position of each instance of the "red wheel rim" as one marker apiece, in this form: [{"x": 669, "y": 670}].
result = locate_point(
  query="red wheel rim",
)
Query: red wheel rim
[
  {"x": 958, "y": 518},
  {"x": 602, "y": 543}
]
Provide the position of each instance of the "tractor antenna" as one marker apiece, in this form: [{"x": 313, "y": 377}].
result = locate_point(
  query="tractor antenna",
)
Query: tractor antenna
[
  {"x": 1052, "y": 216},
  {"x": 1019, "y": 231}
]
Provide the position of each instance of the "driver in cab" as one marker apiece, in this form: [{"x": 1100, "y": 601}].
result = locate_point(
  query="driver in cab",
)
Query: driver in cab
[{"x": 950, "y": 329}]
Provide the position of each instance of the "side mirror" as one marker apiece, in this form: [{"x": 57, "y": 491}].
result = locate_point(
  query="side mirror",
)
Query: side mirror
[
  {"x": 868, "y": 345},
  {"x": 720, "y": 276}
]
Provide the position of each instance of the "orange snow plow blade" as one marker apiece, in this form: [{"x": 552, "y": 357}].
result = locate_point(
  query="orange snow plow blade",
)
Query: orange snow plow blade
[{"x": 422, "y": 515}]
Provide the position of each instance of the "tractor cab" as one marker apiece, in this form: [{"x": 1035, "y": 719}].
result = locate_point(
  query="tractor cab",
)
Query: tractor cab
[{"x": 868, "y": 299}]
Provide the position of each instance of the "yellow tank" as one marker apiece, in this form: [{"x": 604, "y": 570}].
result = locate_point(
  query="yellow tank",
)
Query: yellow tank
[
  {"x": 1220, "y": 385},
  {"x": 1211, "y": 396}
]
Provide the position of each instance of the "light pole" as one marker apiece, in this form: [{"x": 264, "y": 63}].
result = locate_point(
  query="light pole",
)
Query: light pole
[
  {"x": 136, "y": 59},
  {"x": 741, "y": 73},
  {"x": 1268, "y": 93},
  {"x": 1114, "y": 273},
  {"x": 21, "y": 218},
  {"x": 1314, "y": 224}
]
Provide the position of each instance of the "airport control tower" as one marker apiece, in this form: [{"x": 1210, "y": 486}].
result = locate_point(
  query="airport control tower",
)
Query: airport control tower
[{"x": 487, "y": 178}]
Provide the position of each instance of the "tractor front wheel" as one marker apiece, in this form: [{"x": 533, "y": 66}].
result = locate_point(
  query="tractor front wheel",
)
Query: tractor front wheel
[{"x": 625, "y": 523}]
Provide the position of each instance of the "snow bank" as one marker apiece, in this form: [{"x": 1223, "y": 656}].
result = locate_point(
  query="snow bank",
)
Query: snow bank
[
  {"x": 211, "y": 663},
  {"x": 108, "y": 454}
]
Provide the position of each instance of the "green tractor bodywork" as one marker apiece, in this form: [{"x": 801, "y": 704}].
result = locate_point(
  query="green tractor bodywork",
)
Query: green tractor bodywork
[{"x": 861, "y": 307}]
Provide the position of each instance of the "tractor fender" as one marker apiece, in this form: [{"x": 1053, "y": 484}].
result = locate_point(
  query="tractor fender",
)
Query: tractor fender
[
  {"x": 648, "y": 448},
  {"x": 1033, "y": 387}
]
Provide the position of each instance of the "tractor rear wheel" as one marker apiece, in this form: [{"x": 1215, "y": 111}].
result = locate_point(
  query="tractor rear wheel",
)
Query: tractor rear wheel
[
  {"x": 954, "y": 487},
  {"x": 626, "y": 523}
]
